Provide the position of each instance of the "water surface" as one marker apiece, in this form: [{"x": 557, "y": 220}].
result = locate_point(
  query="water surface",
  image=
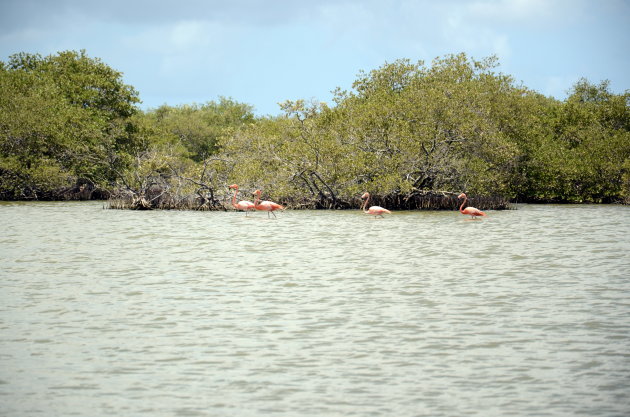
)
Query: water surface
[{"x": 170, "y": 313}]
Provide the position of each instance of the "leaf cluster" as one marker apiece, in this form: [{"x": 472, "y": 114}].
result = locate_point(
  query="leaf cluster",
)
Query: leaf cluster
[{"x": 403, "y": 129}]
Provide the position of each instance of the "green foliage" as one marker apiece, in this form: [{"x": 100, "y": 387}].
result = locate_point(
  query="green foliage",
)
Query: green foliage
[
  {"x": 456, "y": 125},
  {"x": 403, "y": 129},
  {"x": 429, "y": 128},
  {"x": 625, "y": 181},
  {"x": 85, "y": 82},
  {"x": 199, "y": 127},
  {"x": 64, "y": 118},
  {"x": 581, "y": 157}
]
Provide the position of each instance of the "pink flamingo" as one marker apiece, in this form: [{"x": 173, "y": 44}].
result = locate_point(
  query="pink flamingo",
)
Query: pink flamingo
[
  {"x": 471, "y": 211},
  {"x": 242, "y": 205},
  {"x": 374, "y": 210},
  {"x": 268, "y": 206}
]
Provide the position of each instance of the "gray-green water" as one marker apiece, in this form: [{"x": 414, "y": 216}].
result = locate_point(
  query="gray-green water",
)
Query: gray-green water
[{"x": 317, "y": 313}]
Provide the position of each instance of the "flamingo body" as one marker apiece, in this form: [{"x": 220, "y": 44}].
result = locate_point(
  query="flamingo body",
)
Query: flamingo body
[
  {"x": 242, "y": 205},
  {"x": 377, "y": 211},
  {"x": 268, "y": 206},
  {"x": 373, "y": 210},
  {"x": 469, "y": 211}
]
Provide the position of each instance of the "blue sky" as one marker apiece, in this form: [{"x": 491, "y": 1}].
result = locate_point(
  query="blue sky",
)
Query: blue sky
[{"x": 265, "y": 52}]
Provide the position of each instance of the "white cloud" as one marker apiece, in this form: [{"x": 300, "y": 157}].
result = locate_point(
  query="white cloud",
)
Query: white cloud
[
  {"x": 559, "y": 85},
  {"x": 512, "y": 10},
  {"x": 179, "y": 49},
  {"x": 189, "y": 35},
  {"x": 168, "y": 38},
  {"x": 529, "y": 13},
  {"x": 501, "y": 46},
  {"x": 461, "y": 34},
  {"x": 24, "y": 35}
]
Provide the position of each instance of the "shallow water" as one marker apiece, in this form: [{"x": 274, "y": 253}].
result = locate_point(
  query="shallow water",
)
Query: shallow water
[{"x": 107, "y": 312}]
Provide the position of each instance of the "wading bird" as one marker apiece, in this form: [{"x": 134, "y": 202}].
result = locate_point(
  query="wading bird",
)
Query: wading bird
[
  {"x": 471, "y": 211},
  {"x": 268, "y": 206},
  {"x": 242, "y": 205},
  {"x": 374, "y": 210}
]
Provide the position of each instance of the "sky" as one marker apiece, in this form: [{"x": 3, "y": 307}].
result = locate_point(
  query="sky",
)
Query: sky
[{"x": 263, "y": 52}]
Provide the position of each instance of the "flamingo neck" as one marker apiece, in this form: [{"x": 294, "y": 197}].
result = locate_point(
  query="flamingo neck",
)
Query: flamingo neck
[
  {"x": 234, "y": 197},
  {"x": 257, "y": 200},
  {"x": 461, "y": 208},
  {"x": 365, "y": 204}
]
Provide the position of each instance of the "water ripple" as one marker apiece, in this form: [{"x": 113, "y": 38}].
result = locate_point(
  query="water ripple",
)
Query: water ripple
[{"x": 315, "y": 313}]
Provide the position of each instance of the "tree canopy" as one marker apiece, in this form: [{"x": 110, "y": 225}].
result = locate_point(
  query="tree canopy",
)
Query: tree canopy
[
  {"x": 64, "y": 118},
  {"x": 403, "y": 129}
]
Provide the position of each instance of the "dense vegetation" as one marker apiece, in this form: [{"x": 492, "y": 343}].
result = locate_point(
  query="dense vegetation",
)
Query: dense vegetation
[{"x": 70, "y": 128}]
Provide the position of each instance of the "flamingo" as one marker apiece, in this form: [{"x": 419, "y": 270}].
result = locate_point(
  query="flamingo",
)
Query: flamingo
[
  {"x": 242, "y": 205},
  {"x": 471, "y": 211},
  {"x": 268, "y": 206},
  {"x": 374, "y": 210}
]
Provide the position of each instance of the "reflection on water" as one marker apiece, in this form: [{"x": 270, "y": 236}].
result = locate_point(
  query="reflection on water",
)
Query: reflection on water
[{"x": 106, "y": 312}]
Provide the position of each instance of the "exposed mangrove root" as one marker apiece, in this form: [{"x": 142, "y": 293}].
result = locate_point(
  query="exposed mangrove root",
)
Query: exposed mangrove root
[
  {"x": 24, "y": 190},
  {"x": 165, "y": 202},
  {"x": 157, "y": 198},
  {"x": 417, "y": 200},
  {"x": 436, "y": 200}
]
